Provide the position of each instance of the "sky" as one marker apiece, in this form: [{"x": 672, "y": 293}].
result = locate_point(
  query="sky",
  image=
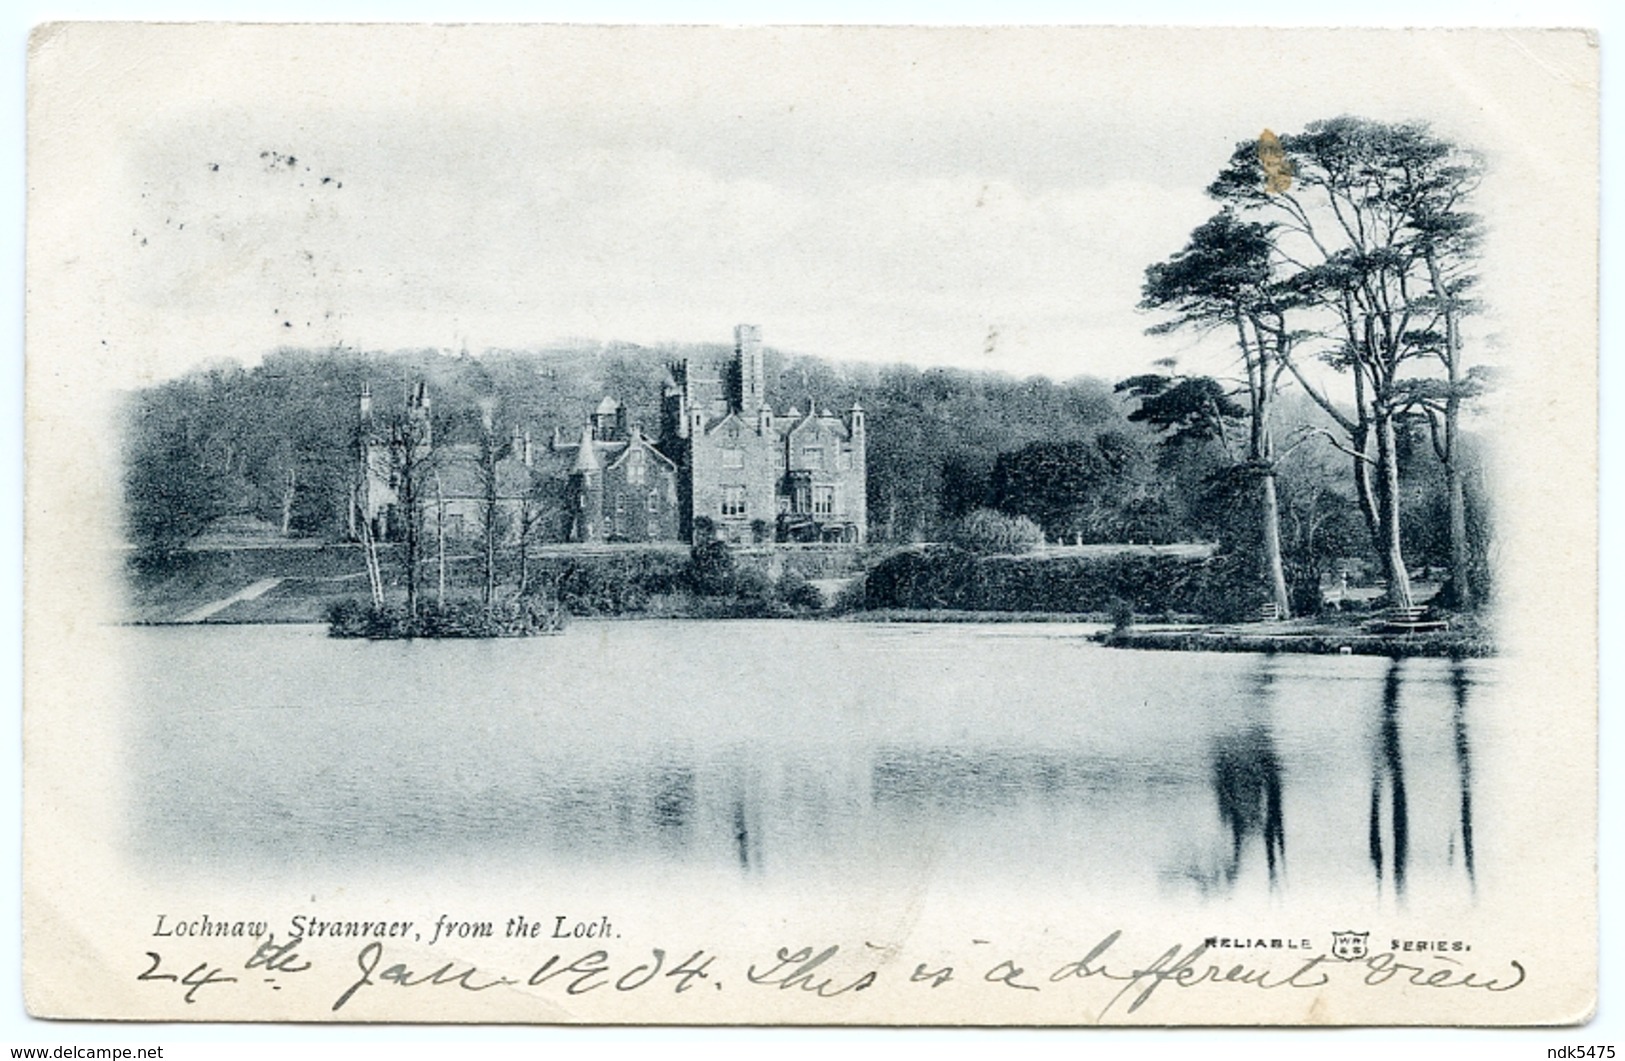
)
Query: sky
[{"x": 980, "y": 200}]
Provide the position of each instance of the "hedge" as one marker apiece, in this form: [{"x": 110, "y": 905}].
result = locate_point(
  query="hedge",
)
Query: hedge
[{"x": 944, "y": 577}]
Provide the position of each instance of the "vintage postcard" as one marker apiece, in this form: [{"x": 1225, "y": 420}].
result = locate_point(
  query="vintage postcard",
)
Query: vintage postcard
[{"x": 811, "y": 525}]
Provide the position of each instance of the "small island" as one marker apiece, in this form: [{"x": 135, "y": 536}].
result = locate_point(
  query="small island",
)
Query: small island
[{"x": 516, "y": 617}]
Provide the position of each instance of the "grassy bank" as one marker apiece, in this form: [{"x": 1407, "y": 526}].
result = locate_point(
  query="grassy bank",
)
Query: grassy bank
[
  {"x": 167, "y": 590},
  {"x": 1319, "y": 639},
  {"x": 300, "y": 584},
  {"x": 955, "y": 615}
]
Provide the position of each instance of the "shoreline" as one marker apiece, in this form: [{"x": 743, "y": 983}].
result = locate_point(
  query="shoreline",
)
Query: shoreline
[
  {"x": 1319, "y": 642},
  {"x": 1171, "y": 635}
]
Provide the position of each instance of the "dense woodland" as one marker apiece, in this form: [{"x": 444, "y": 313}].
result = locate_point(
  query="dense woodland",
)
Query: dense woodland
[
  {"x": 1339, "y": 267},
  {"x": 277, "y": 442}
]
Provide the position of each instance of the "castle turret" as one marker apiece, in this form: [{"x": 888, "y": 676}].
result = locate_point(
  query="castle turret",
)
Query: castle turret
[
  {"x": 609, "y": 421},
  {"x": 587, "y": 491},
  {"x": 587, "y": 462},
  {"x": 751, "y": 368},
  {"x": 857, "y": 472}
]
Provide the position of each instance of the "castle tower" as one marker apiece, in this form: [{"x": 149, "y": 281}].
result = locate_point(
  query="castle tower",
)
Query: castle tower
[
  {"x": 857, "y": 475},
  {"x": 751, "y": 368},
  {"x": 676, "y": 402},
  {"x": 609, "y": 421},
  {"x": 587, "y": 491}
]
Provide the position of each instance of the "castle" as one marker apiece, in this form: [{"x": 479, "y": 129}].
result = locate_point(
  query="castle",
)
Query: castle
[
  {"x": 621, "y": 486},
  {"x": 725, "y": 467},
  {"x": 732, "y": 468}
]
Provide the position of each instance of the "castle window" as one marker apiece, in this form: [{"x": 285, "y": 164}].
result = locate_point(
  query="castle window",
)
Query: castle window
[
  {"x": 823, "y": 500},
  {"x": 653, "y": 504},
  {"x": 844, "y": 459},
  {"x": 634, "y": 468},
  {"x": 812, "y": 456},
  {"x": 733, "y": 500},
  {"x": 620, "y": 505},
  {"x": 733, "y": 457}
]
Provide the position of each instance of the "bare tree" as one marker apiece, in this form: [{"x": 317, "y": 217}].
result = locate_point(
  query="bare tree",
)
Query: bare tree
[
  {"x": 493, "y": 451},
  {"x": 404, "y": 459}
]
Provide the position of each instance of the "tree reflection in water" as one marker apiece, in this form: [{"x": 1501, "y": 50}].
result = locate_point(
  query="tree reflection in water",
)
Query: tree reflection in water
[
  {"x": 1388, "y": 779},
  {"x": 1460, "y": 683},
  {"x": 1247, "y": 784},
  {"x": 1109, "y": 770}
]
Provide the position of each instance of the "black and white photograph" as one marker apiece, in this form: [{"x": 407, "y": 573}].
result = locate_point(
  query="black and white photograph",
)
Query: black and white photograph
[{"x": 811, "y": 525}]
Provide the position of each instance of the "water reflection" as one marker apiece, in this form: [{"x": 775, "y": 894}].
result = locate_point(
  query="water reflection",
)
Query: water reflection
[
  {"x": 1388, "y": 786},
  {"x": 963, "y": 781},
  {"x": 1117, "y": 768},
  {"x": 1247, "y": 784},
  {"x": 1460, "y": 684}
]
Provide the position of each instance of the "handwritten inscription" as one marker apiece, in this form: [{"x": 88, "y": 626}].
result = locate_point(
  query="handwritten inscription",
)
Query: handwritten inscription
[
  {"x": 1123, "y": 981},
  {"x": 401, "y": 975},
  {"x": 196, "y": 979}
]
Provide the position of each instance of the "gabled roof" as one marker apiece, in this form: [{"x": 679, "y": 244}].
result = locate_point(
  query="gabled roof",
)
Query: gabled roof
[
  {"x": 641, "y": 441},
  {"x": 826, "y": 421},
  {"x": 586, "y": 453},
  {"x": 592, "y": 455},
  {"x": 723, "y": 419}
]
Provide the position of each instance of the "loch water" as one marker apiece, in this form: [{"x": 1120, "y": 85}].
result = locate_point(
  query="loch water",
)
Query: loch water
[{"x": 782, "y": 750}]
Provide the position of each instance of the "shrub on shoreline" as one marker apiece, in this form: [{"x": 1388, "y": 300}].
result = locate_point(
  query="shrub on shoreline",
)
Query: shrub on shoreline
[
  {"x": 464, "y": 618},
  {"x": 986, "y": 532},
  {"x": 798, "y": 593}
]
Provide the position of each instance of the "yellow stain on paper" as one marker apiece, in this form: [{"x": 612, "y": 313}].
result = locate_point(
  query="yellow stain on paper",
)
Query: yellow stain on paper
[{"x": 1277, "y": 169}]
